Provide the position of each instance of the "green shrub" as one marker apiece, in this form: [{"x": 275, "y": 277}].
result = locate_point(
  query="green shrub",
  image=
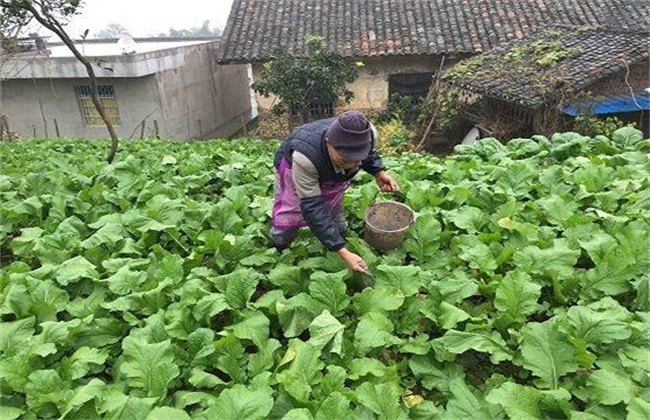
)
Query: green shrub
[
  {"x": 394, "y": 137},
  {"x": 408, "y": 109},
  {"x": 591, "y": 125},
  {"x": 298, "y": 82}
]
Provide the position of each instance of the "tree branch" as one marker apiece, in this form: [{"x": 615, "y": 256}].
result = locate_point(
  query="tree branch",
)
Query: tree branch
[{"x": 45, "y": 18}]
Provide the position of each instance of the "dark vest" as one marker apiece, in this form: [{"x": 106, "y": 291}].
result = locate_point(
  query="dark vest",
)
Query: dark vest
[{"x": 309, "y": 140}]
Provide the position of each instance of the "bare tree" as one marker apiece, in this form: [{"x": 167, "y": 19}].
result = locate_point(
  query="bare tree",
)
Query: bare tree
[{"x": 53, "y": 15}]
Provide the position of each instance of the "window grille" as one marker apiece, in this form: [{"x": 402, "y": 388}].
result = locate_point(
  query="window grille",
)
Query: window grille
[
  {"x": 106, "y": 97},
  {"x": 321, "y": 110},
  {"x": 315, "y": 111}
]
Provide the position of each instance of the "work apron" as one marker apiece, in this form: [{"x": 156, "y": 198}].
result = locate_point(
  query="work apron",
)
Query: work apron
[{"x": 286, "y": 212}]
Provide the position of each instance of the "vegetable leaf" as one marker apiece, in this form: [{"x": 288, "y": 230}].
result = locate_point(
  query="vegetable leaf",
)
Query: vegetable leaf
[
  {"x": 382, "y": 399},
  {"x": 330, "y": 290},
  {"x": 326, "y": 329},
  {"x": 516, "y": 298},
  {"x": 546, "y": 352},
  {"x": 458, "y": 342},
  {"x": 407, "y": 279},
  {"x": 610, "y": 388},
  {"x": 149, "y": 367},
  {"x": 528, "y": 403},
  {"x": 304, "y": 372}
]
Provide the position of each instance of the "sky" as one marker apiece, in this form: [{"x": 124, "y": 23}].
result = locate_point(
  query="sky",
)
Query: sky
[{"x": 148, "y": 17}]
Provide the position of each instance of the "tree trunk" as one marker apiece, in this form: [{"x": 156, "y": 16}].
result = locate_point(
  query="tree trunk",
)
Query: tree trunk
[{"x": 47, "y": 20}]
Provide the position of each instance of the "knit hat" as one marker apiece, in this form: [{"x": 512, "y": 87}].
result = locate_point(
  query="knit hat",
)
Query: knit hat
[{"x": 350, "y": 134}]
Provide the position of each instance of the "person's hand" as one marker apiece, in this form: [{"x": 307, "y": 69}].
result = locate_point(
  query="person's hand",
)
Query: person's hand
[
  {"x": 386, "y": 182},
  {"x": 353, "y": 261}
]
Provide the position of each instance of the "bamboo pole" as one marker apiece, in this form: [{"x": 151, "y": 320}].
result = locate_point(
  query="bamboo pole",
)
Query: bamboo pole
[{"x": 435, "y": 90}]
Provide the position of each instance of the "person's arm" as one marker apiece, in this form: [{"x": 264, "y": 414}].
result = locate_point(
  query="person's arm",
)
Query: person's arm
[
  {"x": 316, "y": 213},
  {"x": 373, "y": 163},
  {"x": 375, "y": 166}
]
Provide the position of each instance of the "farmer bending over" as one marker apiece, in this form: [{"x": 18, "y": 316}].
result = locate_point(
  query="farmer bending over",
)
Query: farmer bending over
[{"x": 314, "y": 166}]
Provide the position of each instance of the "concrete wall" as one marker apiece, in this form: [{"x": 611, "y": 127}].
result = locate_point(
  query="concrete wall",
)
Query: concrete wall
[
  {"x": 188, "y": 97},
  {"x": 371, "y": 87},
  {"x": 31, "y": 106},
  {"x": 202, "y": 99},
  {"x": 235, "y": 105}
]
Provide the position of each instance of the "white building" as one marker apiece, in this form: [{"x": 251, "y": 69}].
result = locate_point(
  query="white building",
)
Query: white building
[{"x": 170, "y": 88}]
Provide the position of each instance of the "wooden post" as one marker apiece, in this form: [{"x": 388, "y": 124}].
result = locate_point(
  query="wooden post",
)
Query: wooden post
[
  {"x": 40, "y": 103},
  {"x": 155, "y": 129},
  {"x": 2, "y": 128},
  {"x": 142, "y": 129},
  {"x": 198, "y": 122},
  {"x": 33, "y": 131},
  {"x": 5, "y": 121},
  {"x": 189, "y": 122},
  {"x": 56, "y": 129},
  {"x": 244, "y": 126}
]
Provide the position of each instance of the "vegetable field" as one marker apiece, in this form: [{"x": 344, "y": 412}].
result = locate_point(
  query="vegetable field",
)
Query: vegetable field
[{"x": 145, "y": 289}]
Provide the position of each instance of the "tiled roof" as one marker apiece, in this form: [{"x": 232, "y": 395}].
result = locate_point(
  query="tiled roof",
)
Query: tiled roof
[
  {"x": 368, "y": 28},
  {"x": 551, "y": 61}
]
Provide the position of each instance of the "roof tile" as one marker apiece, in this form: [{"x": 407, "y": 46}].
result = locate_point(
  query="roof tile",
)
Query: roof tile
[
  {"x": 529, "y": 71},
  {"x": 366, "y": 28}
]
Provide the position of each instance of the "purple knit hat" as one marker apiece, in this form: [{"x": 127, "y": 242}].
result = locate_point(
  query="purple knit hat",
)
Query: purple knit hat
[{"x": 350, "y": 134}]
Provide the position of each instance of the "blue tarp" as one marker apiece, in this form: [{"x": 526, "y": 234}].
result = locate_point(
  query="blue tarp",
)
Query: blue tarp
[{"x": 623, "y": 103}]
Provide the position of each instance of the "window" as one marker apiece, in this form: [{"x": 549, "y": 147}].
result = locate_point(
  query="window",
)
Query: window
[
  {"x": 87, "y": 108},
  {"x": 412, "y": 84},
  {"x": 318, "y": 110}
]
